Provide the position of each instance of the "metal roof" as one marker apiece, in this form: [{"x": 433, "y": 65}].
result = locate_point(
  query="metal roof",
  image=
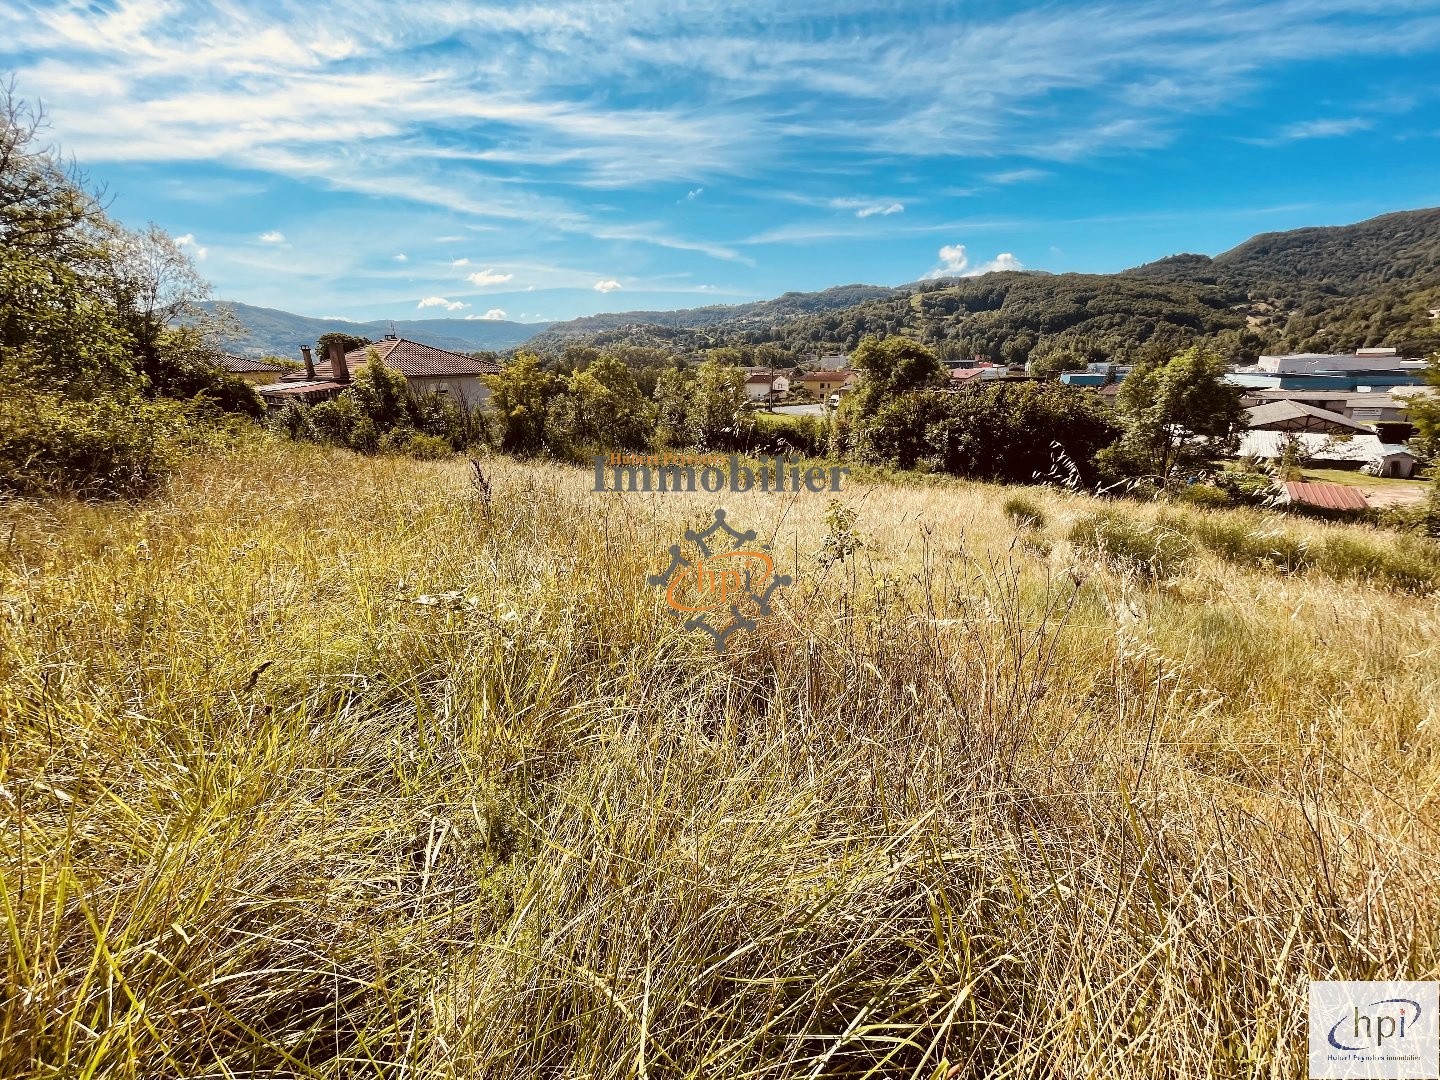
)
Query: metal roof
[
  {"x": 1326, "y": 496},
  {"x": 1311, "y": 418},
  {"x": 1318, "y": 446}
]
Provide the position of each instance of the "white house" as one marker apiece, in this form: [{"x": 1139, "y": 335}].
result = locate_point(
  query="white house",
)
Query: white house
[{"x": 767, "y": 386}]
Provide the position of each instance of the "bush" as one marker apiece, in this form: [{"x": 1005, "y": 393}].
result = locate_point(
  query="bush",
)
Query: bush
[
  {"x": 1203, "y": 496},
  {"x": 1153, "y": 553},
  {"x": 102, "y": 448},
  {"x": 1024, "y": 512},
  {"x": 428, "y": 447},
  {"x": 1246, "y": 488}
]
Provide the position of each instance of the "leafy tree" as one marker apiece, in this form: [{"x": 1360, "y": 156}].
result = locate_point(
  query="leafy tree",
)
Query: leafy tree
[
  {"x": 673, "y": 390},
  {"x": 604, "y": 407},
  {"x": 1012, "y": 432},
  {"x": 1178, "y": 414},
  {"x": 382, "y": 393},
  {"x": 716, "y": 399},
  {"x": 521, "y": 396},
  {"x": 349, "y": 342},
  {"x": 1424, "y": 412},
  {"x": 889, "y": 368}
]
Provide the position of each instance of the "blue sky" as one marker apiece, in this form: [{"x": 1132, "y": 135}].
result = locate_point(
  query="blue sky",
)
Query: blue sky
[{"x": 446, "y": 159}]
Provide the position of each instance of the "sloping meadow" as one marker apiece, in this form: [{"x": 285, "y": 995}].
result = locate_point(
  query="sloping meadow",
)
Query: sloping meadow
[{"x": 323, "y": 765}]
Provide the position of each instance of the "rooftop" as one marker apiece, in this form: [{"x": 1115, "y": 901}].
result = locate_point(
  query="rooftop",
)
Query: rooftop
[
  {"x": 1307, "y": 416},
  {"x": 1326, "y": 496},
  {"x": 243, "y": 365},
  {"x": 415, "y": 360}
]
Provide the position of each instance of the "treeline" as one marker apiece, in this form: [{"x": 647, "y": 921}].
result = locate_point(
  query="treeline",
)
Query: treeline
[{"x": 101, "y": 390}]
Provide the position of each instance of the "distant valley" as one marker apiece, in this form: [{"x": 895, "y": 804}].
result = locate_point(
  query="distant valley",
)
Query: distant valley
[{"x": 280, "y": 333}]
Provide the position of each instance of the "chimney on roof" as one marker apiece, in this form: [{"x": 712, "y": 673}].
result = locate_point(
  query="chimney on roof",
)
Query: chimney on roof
[
  {"x": 391, "y": 337},
  {"x": 309, "y": 361},
  {"x": 339, "y": 370}
]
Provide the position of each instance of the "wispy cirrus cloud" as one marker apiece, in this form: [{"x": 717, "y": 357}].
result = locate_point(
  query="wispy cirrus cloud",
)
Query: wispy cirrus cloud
[
  {"x": 1328, "y": 128},
  {"x": 570, "y": 122}
]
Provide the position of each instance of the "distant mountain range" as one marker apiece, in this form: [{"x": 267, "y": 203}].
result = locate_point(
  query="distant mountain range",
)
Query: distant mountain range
[
  {"x": 1313, "y": 289},
  {"x": 1320, "y": 289},
  {"x": 280, "y": 333}
]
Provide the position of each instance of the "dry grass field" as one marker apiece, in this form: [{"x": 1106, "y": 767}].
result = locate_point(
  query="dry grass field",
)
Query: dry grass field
[{"x": 321, "y": 765}]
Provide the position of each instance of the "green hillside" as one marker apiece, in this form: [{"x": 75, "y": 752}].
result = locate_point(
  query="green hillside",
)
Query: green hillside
[{"x": 1341, "y": 287}]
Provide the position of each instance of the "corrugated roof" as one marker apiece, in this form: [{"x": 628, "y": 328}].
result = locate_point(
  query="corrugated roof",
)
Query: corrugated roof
[
  {"x": 415, "y": 360},
  {"x": 1290, "y": 412},
  {"x": 1319, "y": 446},
  {"x": 1326, "y": 496}
]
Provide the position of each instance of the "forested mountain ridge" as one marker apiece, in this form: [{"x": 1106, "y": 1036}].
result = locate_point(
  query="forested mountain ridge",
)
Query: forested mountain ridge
[
  {"x": 1336, "y": 287},
  {"x": 754, "y": 315},
  {"x": 1342, "y": 287}
]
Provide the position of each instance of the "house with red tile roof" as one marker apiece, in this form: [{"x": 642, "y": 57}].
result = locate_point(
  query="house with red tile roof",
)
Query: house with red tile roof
[
  {"x": 255, "y": 372},
  {"x": 427, "y": 369}
]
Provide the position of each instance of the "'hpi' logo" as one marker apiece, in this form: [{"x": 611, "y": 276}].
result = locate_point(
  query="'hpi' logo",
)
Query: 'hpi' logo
[
  {"x": 1374, "y": 1029},
  {"x": 740, "y": 580}
]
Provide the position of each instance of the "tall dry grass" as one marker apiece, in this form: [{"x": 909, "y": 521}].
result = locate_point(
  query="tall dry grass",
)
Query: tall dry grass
[{"x": 327, "y": 766}]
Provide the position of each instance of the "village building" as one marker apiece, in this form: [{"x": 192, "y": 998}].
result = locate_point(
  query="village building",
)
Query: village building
[
  {"x": 254, "y": 372},
  {"x": 762, "y": 384},
  {"x": 427, "y": 370},
  {"x": 824, "y": 384}
]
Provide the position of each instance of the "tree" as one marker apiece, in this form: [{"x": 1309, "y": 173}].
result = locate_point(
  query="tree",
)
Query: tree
[
  {"x": 890, "y": 368},
  {"x": 603, "y": 407},
  {"x": 1012, "y": 432},
  {"x": 718, "y": 396},
  {"x": 382, "y": 394},
  {"x": 1424, "y": 413},
  {"x": 349, "y": 342},
  {"x": 673, "y": 390},
  {"x": 521, "y": 396},
  {"x": 1178, "y": 415}
]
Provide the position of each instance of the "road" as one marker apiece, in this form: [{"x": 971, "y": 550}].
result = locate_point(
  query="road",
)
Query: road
[{"x": 800, "y": 410}]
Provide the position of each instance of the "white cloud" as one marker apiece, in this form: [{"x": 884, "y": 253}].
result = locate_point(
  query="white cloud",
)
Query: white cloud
[
  {"x": 883, "y": 211},
  {"x": 188, "y": 242},
  {"x": 693, "y": 194},
  {"x": 954, "y": 262},
  {"x": 1016, "y": 176},
  {"x": 402, "y": 257},
  {"x": 441, "y": 301},
  {"x": 488, "y": 277},
  {"x": 607, "y": 285},
  {"x": 865, "y": 208},
  {"x": 494, "y": 313},
  {"x": 1323, "y": 129},
  {"x": 461, "y": 262},
  {"x": 274, "y": 236}
]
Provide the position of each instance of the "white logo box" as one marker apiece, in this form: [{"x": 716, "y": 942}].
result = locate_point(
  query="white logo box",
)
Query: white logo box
[{"x": 1375, "y": 1030}]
